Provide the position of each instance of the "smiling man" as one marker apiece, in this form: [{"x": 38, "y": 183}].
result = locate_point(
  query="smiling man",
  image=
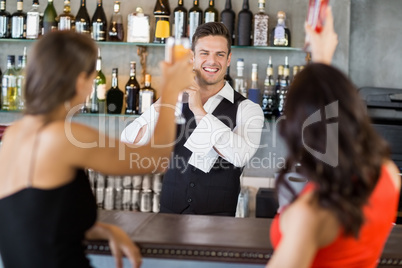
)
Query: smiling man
[{"x": 222, "y": 132}]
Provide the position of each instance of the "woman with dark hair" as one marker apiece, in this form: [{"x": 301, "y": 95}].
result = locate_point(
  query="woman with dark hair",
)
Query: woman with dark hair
[
  {"x": 46, "y": 203},
  {"x": 344, "y": 215}
]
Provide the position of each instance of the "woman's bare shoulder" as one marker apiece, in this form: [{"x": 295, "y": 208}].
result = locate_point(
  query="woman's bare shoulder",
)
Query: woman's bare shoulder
[
  {"x": 70, "y": 133},
  {"x": 394, "y": 173}
]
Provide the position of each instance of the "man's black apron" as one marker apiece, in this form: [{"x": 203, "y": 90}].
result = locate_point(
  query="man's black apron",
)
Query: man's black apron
[{"x": 188, "y": 190}]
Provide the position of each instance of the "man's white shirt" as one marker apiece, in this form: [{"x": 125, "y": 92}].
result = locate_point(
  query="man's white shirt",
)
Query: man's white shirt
[{"x": 211, "y": 135}]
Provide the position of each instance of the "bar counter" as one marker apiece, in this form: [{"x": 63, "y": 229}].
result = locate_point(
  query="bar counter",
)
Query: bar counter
[{"x": 170, "y": 240}]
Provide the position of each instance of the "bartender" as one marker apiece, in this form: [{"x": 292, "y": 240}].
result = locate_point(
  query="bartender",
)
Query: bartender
[{"x": 221, "y": 133}]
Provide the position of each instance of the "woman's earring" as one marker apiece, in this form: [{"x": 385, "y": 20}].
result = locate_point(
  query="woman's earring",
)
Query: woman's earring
[{"x": 67, "y": 105}]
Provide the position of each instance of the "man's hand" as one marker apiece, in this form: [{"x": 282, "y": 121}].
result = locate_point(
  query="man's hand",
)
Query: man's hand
[{"x": 194, "y": 101}]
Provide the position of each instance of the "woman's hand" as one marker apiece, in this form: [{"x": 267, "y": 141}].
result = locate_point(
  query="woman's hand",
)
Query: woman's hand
[
  {"x": 178, "y": 75},
  {"x": 323, "y": 44},
  {"x": 119, "y": 242}
]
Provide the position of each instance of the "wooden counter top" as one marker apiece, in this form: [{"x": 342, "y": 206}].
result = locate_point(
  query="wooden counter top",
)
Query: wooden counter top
[{"x": 212, "y": 238}]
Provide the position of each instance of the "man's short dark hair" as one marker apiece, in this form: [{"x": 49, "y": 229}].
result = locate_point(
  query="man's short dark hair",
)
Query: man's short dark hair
[{"x": 214, "y": 29}]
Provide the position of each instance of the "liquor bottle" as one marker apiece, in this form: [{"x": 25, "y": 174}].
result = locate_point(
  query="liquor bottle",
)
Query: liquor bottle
[
  {"x": 19, "y": 81},
  {"x": 261, "y": 25},
  {"x": 254, "y": 91},
  {"x": 22, "y": 61},
  {"x": 162, "y": 24},
  {"x": 280, "y": 36},
  {"x": 194, "y": 19},
  {"x": 147, "y": 95},
  {"x": 283, "y": 80},
  {"x": 19, "y": 22},
  {"x": 99, "y": 89},
  {"x": 240, "y": 82},
  {"x": 33, "y": 21},
  {"x": 99, "y": 23},
  {"x": 66, "y": 20},
  {"x": 82, "y": 20},
  {"x": 9, "y": 86},
  {"x": 114, "y": 96},
  {"x": 116, "y": 30},
  {"x": 132, "y": 91},
  {"x": 211, "y": 14},
  {"x": 268, "y": 103},
  {"x": 138, "y": 27},
  {"x": 279, "y": 77},
  {"x": 4, "y": 21},
  {"x": 228, "y": 19},
  {"x": 294, "y": 73},
  {"x": 244, "y": 26},
  {"x": 228, "y": 78},
  {"x": 49, "y": 18},
  {"x": 180, "y": 20}
]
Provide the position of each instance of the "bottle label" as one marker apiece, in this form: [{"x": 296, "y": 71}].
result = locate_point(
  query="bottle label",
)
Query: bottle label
[
  {"x": 101, "y": 92},
  {"x": 17, "y": 30},
  {"x": 3, "y": 26},
  {"x": 65, "y": 23},
  {"x": 280, "y": 37},
  {"x": 9, "y": 81},
  {"x": 9, "y": 92},
  {"x": 4, "y": 99},
  {"x": 193, "y": 23},
  {"x": 261, "y": 30},
  {"x": 209, "y": 17},
  {"x": 20, "y": 5},
  {"x": 82, "y": 27},
  {"x": 270, "y": 71},
  {"x": 98, "y": 31},
  {"x": 283, "y": 83},
  {"x": 264, "y": 102},
  {"x": 162, "y": 27},
  {"x": 116, "y": 8},
  {"x": 146, "y": 100},
  {"x": 254, "y": 95},
  {"x": 32, "y": 25},
  {"x": 179, "y": 27},
  {"x": 240, "y": 85},
  {"x": 3, "y": 5},
  {"x": 138, "y": 29},
  {"x": 279, "y": 32},
  {"x": 20, "y": 91}
]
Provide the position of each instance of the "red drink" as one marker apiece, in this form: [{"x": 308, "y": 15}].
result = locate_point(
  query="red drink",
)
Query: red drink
[{"x": 316, "y": 14}]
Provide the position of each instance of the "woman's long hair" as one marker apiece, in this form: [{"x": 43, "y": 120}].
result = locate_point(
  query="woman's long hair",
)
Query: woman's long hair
[
  {"x": 53, "y": 68},
  {"x": 328, "y": 131}
]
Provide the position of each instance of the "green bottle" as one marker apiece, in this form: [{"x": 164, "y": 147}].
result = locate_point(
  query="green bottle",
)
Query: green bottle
[
  {"x": 98, "y": 96},
  {"x": 9, "y": 86},
  {"x": 49, "y": 18},
  {"x": 20, "y": 72}
]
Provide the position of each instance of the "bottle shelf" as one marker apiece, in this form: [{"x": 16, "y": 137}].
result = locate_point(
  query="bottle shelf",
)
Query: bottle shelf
[
  {"x": 293, "y": 49},
  {"x": 290, "y": 49},
  {"x": 20, "y": 113},
  {"x": 108, "y": 115}
]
